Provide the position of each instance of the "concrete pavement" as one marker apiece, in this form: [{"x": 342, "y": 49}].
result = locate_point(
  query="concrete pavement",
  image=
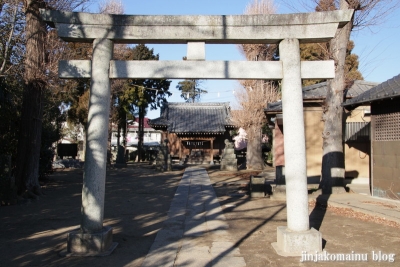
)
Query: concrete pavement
[
  {"x": 360, "y": 200},
  {"x": 195, "y": 232}
]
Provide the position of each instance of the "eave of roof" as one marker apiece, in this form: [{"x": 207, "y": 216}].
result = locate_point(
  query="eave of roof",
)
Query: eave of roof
[
  {"x": 386, "y": 90},
  {"x": 194, "y": 118},
  {"x": 317, "y": 93}
]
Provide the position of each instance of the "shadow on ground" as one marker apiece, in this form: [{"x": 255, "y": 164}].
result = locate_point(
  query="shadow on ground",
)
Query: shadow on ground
[
  {"x": 136, "y": 204},
  {"x": 137, "y": 200}
]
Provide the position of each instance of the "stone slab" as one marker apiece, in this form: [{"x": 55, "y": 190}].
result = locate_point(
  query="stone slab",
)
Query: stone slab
[
  {"x": 196, "y": 69},
  {"x": 193, "y": 256},
  {"x": 72, "y": 69},
  {"x": 316, "y": 69},
  {"x": 169, "y": 234},
  {"x": 235, "y": 29},
  {"x": 229, "y": 261},
  {"x": 195, "y": 229},
  {"x": 196, "y": 51},
  {"x": 224, "y": 252},
  {"x": 292, "y": 243},
  {"x": 214, "y": 225},
  {"x": 200, "y": 228},
  {"x": 161, "y": 253}
]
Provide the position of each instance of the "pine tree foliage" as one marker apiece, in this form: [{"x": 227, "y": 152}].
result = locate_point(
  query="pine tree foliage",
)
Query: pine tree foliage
[
  {"x": 351, "y": 71},
  {"x": 320, "y": 51},
  {"x": 139, "y": 92}
]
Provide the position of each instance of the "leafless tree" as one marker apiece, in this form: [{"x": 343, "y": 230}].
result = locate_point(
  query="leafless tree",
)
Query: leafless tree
[
  {"x": 254, "y": 95},
  {"x": 111, "y": 7},
  {"x": 368, "y": 13}
]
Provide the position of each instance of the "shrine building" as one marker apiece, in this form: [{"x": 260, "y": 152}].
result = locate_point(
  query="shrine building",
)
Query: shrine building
[{"x": 195, "y": 131}]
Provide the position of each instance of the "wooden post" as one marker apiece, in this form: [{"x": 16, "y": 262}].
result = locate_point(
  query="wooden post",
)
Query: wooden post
[
  {"x": 212, "y": 149},
  {"x": 180, "y": 147}
]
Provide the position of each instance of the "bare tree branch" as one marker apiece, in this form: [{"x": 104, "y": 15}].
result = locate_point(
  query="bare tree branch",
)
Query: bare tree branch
[
  {"x": 111, "y": 7},
  {"x": 368, "y": 13},
  {"x": 254, "y": 95}
]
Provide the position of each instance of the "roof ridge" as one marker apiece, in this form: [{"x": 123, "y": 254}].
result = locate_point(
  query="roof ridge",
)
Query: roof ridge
[{"x": 364, "y": 81}]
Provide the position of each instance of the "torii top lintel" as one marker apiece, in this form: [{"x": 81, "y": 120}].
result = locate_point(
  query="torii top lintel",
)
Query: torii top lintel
[{"x": 222, "y": 29}]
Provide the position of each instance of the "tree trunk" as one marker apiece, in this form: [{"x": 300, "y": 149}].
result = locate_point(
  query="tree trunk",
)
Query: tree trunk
[
  {"x": 254, "y": 159},
  {"x": 141, "y": 133},
  {"x": 118, "y": 135},
  {"x": 29, "y": 142},
  {"x": 333, "y": 168},
  {"x": 110, "y": 131}
]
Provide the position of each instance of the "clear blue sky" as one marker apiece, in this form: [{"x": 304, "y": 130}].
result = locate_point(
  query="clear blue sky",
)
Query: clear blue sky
[{"x": 378, "y": 48}]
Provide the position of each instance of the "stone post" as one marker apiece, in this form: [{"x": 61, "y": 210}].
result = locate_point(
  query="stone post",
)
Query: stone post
[
  {"x": 228, "y": 158},
  {"x": 121, "y": 161},
  {"x": 92, "y": 238},
  {"x": 167, "y": 156},
  {"x": 297, "y": 236}
]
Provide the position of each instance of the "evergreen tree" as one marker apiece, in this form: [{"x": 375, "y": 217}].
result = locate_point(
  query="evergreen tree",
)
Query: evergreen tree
[
  {"x": 351, "y": 71},
  {"x": 320, "y": 51},
  {"x": 142, "y": 94}
]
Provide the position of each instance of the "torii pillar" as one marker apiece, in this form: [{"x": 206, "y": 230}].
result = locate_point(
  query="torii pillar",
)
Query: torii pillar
[
  {"x": 93, "y": 238},
  {"x": 297, "y": 237}
]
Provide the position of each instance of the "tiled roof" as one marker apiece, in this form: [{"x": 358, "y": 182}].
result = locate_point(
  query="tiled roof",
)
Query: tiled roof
[
  {"x": 276, "y": 106},
  {"x": 194, "y": 117},
  {"x": 387, "y": 89},
  {"x": 319, "y": 90}
]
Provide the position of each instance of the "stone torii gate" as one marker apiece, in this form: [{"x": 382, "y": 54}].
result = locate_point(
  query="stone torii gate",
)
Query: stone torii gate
[{"x": 287, "y": 30}]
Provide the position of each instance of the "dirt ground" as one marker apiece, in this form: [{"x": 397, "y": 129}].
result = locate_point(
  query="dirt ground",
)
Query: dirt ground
[{"x": 137, "y": 201}]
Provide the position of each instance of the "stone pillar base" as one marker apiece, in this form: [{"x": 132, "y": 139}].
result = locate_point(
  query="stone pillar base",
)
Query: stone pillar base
[
  {"x": 90, "y": 244},
  {"x": 291, "y": 243}
]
